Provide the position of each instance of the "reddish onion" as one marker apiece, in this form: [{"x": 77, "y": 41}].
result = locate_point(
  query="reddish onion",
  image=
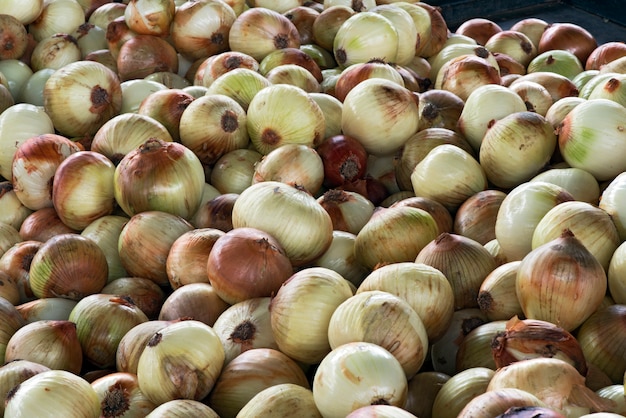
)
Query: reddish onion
[
  {"x": 344, "y": 159},
  {"x": 570, "y": 37},
  {"x": 42, "y": 225},
  {"x": 604, "y": 54},
  {"x": 265, "y": 270},
  {"x": 479, "y": 29}
]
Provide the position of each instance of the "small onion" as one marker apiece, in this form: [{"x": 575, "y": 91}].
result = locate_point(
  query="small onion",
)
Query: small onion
[
  {"x": 349, "y": 211},
  {"x": 13, "y": 212},
  {"x": 459, "y": 390},
  {"x": 119, "y": 394},
  {"x": 234, "y": 171},
  {"x": 281, "y": 400},
  {"x": 57, "y": 17},
  {"x": 198, "y": 301},
  {"x": 146, "y": 294},
  {"x": 181, "y": 408},
  {"x": 328, "y": 22},
  {"x": 187, "y": 258},
  {"x": 240, "y": 84},
  {"x": 358, "y": 374},
  {"x": 515, "y": 44},
  {"x": 570, "y": 37},
  {"x": 216, "y": 212},
  {"x": 133, "y": 343},
  {"x": 476, "y": 217},
  {"x": 465, "y": 73},
  {"x": 105, "y": 232},
  {"x": 479, "y": 29},
  {"x": 166, "y": 107},
  {"x": 16, "y": 372}
]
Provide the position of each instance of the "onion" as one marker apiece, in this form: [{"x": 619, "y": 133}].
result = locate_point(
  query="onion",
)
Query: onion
[
  {"x": 142, "y": 55},
  {"x": 559, "y": 61},
  {"x": 198, "y": 301},
  {"x": 147, "y": 257},
  {"x": 328, "y": 22},
  {"x": 357, "y": 72},
  {"x": 463, "y": 74},
  {"x": 12, "y": 209},
  {"x": 271, "y": 111},
  {"x": 69, "y": 266},
  {"x": 305, "y": 230},
  {"x": 83, "y": 189},
  {"x": 355, "y": 375},
  {"x": 599, "y": 118},
  {"x": 259, "y": 31},
  {"x": 212, "y": 126},
  {"x": 515, "y": 44},
  {"x": 376, "y": 109},
  {"x": 78, "y": 86},
  {"x": 59, "y": 16},
  {"x": 234, "y": 171},
  {"x": 605, "y": 53},
  {"x": 55, "y": 52},
  {"x": 339, "y": 257},
  {"x": 42, "y": 225},
  {"x": 16, "y": 372},
  {"x": 282, "y": 399},
  {"x": 303, "y": 17},
  {"x": 144, "y": 293},
  {"x": 476, "y": 217},
  {"x": 459, "y": 390},
  {"x": 166, "y": 107},
  {"x": 135, "y": 91},
  {"x": 217, "y": 65},
  {"x": 440, "y": 214},
  {"x": 235, "y": 282},
  {"x": 201, "y": 29},
  {"x": 171, "y": 178},
  {"x": 497, "y": 296},
  {"x": 287, "y": 56},
  {"x": 13, "y": 37},
  {"x": 25, "y": 12},
  {"x": 248, "y": 374},
  {"x": 119, "y": 393},
  {"x": 479, "y": 29},
  {"x": 34, "y": 165},
  {"x": 570, "y": 37},
  {"x": 349, "y": 211},
  {"x": 216, "y": 212}
]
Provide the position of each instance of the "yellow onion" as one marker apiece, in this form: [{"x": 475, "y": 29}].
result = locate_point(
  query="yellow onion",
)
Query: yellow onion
[
  {"x": 463, "y": 74},
  {"x": 499, "y": 401},
  {"x": 515, "y": 44},
  {"x": 479, "y": 29},
  {"x": 615, "y": 275},
  {"x": 559, "y": 109},
  {"x": 580, "y": 183},
  {"x": 394, "y": 234},
  {"x": 182, "y": 360},
  {"x": 19, "y": 123},
  {"x": 55, "y": 52},
  {"x": 53, "y": 392},
  {"x": 259, "y": 31},
  {"x": 591, "y": 225},
  {"x": 12, "y": 321},
  {"x": 295, "y": 75},
  {"x": 15, "y": 262},
  {"x": 25, "y": 12},
  {"x": 479, "y": 112},
  {"x": 423, "y": 388},
  {"x": 605, "y": 323},
  {"x": 168, "y": 174},
  {"x": 381, "y": 115},
  {"x": 281, "y": 401},
  {"x": 364, "y": 36},
  {"x": 134, "y": 92},
  {"x": 144, "y": 293},
  {"x": 536, "y": 97},
  {"x": 198, "y": 301},
  {"x": 166, "y": 107},
  {"x": 105, "y": 232},
  {"x": 43, "y": 224},
  {"x": 235, "y": 282},
  {"x": 79, "y": 86},
  {"x": 133, "y": 343},
  {"x": 403, "y": 23},
  {"x": 101, "y": 322},
  {"x": 530, "y": 338},
  {"x": 462, "y": 177},
  {"x": 83, "y": 189},
  {"x": 55, "y": 309},
  {"x": 248, "y": 374},
  {"x": 119, "y": 394},
  {"x": 558, "y": 85},
  {"x": 187, "y": 258},
  {"x": 124, "y": 133},
  {"x": 419, "y": 145},
  {"x": 440, "y": 214},
  {"x": 16, "y": 73},
  {"x": 217, "y": 65},
  {"x": 181, "y": 408},
  {"x": 459, "y": 390},
  {"x": 463, "y": 261},
  {"x": 348, "y": 210},
  {"x": 145, "y": 241},
  {"x": 90, "y": 38},
  {"x": 305, "y": 228},
  {"x": 358, "y": 374},
  {"x": 34, "y": 166},
  {"x": 201, "y": 29},
  {"x": 340, "y": 257},
  {"x": 532, "y": 27},
  {"x": 240, "y": 84},
  {"x": 475, "y": 350},
  {"x": 559, "y": 61},
  {"x": 516, "y": 147},
  {"x": 16, "y": 372},
  {"x": 362, "y": 318},
  {"x": 497, "y": 296},
  {"x": 68, "y": 265},
  {"x": 59, "y": 16},
  {"x": 300, "y": 312},
  {"x": 52, "y": 343},
  {"x": 423, "y": 287},
  {"x": 270, "y": 112},
  {"x": 332, "y": 109},
  {"x": 143, "y": 55},
  {"x": 215, "y": 212},
  {"x": 9, "y": 289},
  {"x": 244, "y": 326},
  {"x": 233, "y": 172},
  {"x": 555, "y": 382},
  {"x": 476, "y": 217},
  {"x": 150, "y": 17},
  {"x": 13, "y": 211},
  {"x": 520, "y": 212},
  {"x": 291, "y": 56},
  {"x": 455, "y": 50},
  {"x": 554, "y": 276}
]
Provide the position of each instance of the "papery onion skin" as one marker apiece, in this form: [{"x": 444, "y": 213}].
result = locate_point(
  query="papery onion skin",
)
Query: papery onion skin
[
  {"x": 99, "y": 91},
  {"x": 171, "y": 177}
]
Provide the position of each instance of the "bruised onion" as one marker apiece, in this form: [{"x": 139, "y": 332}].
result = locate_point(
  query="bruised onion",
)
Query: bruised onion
[{"x": 169, "y": 176}]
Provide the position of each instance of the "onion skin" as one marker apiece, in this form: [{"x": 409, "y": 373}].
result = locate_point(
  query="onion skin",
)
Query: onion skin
[{"x": 570, "y": 37}]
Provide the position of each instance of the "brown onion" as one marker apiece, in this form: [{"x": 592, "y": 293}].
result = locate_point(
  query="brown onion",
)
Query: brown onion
[
  {"x": 605, "y": 53},
  {"x": 42, "y": 225},
  {"x": 143, "y": 55},
  {"x": 570, "y": 37},
  {"x": 187, "y": 258},
  {"x": 197, "y": 301},
  {"x": 265, "y": 270},
  {"x": 479, "y": 29},
  {"x": 166, "y": 107}
]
